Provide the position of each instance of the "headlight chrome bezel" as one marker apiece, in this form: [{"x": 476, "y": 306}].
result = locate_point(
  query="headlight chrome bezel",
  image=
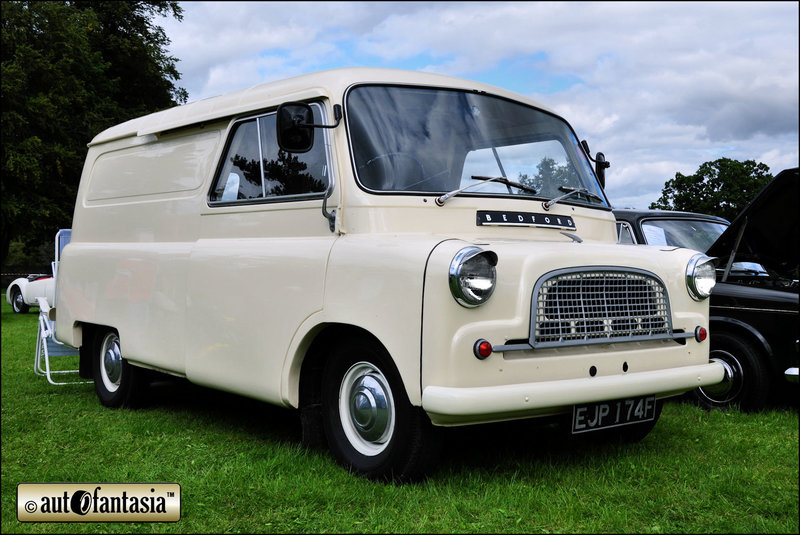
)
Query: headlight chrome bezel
[
  {"x": 697, "y": 276},
  {"x": 466, "y": 290}
]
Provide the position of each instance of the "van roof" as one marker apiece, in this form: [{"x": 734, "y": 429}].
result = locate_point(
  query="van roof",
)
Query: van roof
[{"x": 333, "y": 82}]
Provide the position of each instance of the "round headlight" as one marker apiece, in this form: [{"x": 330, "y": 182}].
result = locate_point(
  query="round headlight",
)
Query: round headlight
[
  {"x": 701, "y": 276},
  {"x": 473, "y": 276}
]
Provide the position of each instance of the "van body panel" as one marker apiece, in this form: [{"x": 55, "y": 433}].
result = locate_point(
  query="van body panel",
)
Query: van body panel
[
  {"x": 330, "y": 84},
  {"x": 172, "y": 166},
  {"x": 435, "y": 215},
  {"x": 250, "y": 293},
  {"x": 448, "y": 339},
  {"x": 132, "y": 288},
  {"x": 375, "y": 282},
  {"x": 407, "y": 214}
]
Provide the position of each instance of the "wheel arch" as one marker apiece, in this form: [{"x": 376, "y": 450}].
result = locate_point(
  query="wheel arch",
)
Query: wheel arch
[
  {"x": 734, "y": 326},
  {"x": 309, "y": 379},
  {"x": 16, "y": 284},
  {"x": 87, "y": 337},
  {"x": 306, "y": 381},
  {"x": 748, "y": 359},
  {"x": 747, "y": 332}
]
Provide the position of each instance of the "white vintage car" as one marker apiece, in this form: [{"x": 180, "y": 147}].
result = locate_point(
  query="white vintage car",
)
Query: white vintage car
[{"x": 23, "y": 292}]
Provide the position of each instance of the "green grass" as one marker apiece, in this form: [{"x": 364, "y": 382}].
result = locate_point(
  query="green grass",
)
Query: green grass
[{"x": 241, "y": 467}]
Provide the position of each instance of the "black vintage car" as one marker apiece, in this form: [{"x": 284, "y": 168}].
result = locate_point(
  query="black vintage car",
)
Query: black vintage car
[{"x": 755, "y": 323}]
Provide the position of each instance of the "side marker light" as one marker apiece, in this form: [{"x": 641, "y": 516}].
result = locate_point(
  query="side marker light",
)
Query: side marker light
[
  {"x": 700, "y": 333},
  {"x": 482, "y": 349}
]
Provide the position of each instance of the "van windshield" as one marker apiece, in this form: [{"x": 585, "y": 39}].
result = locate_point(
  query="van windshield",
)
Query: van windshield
[{"x": 434, "y": 141}]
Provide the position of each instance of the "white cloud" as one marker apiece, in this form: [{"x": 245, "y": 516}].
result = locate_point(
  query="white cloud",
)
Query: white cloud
[{"x": 659, "y": 87}]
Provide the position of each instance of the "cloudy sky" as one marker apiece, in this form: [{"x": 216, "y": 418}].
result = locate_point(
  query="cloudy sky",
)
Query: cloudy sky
[{"x": 660, "y": 88}]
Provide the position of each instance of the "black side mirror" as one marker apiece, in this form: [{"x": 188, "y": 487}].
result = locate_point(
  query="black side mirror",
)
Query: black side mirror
[
  {"x": 295, "y": 127},
  {"x": 600, "y": 166},
  {"x": 600, "y": 163}
]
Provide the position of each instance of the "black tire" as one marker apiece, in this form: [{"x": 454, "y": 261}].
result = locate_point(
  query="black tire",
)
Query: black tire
[
  {"x": 746, "y": 382},
  {"x": 628, "y": 434},
  {"x": 18, "y": 303},
  {"x": 370, "y": 425},
  {"x": 636, "y": 432},
  {"x": 116, "y": 382}
]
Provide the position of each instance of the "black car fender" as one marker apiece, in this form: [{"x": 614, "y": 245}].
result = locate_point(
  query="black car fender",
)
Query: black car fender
[{"x": 738, "y": 326}]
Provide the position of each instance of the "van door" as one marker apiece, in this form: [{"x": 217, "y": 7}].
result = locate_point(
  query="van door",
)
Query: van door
[{"x": 257, "y": 270}]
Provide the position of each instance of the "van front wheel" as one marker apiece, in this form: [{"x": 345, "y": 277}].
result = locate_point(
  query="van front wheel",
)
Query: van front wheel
[
  {"x": 371, "y": 427},
  {"x": 115, "y": 380}
]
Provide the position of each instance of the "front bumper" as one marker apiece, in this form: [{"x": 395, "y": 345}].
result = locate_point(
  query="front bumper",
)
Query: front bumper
[{"x": 457, "y": 406}]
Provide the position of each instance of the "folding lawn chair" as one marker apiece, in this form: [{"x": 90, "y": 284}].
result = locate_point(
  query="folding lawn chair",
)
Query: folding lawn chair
[{"x": 47, "y": 348}]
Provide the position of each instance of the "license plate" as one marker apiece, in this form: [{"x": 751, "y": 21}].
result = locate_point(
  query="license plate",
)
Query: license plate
[{"x": 606, "y": 414}]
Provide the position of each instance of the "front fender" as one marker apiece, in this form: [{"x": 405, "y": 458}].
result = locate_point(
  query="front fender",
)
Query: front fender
[
  {"x": 21, "y": 284},
  {"x": 376, "y": 283}
]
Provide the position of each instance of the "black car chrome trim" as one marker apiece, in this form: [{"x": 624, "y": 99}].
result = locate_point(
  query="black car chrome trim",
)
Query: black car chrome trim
[{"x": 748, "y": 309}]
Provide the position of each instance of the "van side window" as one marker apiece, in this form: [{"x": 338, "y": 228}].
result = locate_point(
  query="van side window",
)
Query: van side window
[
  {"x": 241, "y": 170},
  {"x": 254, "y": 168}
]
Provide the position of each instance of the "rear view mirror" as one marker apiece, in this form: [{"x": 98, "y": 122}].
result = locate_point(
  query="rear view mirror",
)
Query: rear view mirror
[
  {"x": 600, "y": 166},
  {"x": 295, "y": 127},
  {"x": 600, "y": 163}
]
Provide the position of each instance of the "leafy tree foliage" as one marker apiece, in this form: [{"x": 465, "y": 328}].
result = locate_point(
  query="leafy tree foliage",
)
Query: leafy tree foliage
[
  {"x": 70, "y": 70},
  {"x": 549, "y": 176},
  {"x": 722, "y": 188}
]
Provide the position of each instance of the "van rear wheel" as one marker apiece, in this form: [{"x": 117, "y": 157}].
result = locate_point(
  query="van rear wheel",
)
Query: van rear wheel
[
  {"x": 115, "y": 380},
  {"x": 370, "y": 425}
]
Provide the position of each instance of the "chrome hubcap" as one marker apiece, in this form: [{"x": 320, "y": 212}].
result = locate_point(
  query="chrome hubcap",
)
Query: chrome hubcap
[
  {"x": 369, "y": 407},
  {"x": 111, "y": 370},
  {"x": 366, "y": 408},
  {"x": 730, "y": 387}
]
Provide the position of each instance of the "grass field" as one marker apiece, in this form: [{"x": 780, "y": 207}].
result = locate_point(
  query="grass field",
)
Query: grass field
[{"x": 241, "y": 467}]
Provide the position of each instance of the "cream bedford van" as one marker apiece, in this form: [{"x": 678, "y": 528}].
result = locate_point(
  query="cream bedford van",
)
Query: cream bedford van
[{"x": 389, "y": 252}]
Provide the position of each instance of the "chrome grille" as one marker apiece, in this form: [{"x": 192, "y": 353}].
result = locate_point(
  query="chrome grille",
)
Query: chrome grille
[{"x": 599, "y": 306}]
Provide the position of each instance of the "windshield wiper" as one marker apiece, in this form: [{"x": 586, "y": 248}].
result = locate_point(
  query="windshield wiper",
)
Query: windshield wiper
[
  {"x": 501, "y": 179},
  {"x": 570, "y": 192}
]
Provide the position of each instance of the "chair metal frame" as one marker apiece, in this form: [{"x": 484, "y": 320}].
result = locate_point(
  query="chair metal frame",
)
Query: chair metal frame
[{"x": 48, "y": 347}]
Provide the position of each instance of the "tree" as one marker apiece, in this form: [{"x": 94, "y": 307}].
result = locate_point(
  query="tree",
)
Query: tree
[
  {"x": 141, "y": 72},
  {"x": 549, "y": 176},
  {"x": 722, "y": 188},
  {"x": 70, "y": 70}
]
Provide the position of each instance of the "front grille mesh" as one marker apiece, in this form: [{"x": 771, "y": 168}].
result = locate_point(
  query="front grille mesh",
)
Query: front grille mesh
[{"x": 599, "y": 306}]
